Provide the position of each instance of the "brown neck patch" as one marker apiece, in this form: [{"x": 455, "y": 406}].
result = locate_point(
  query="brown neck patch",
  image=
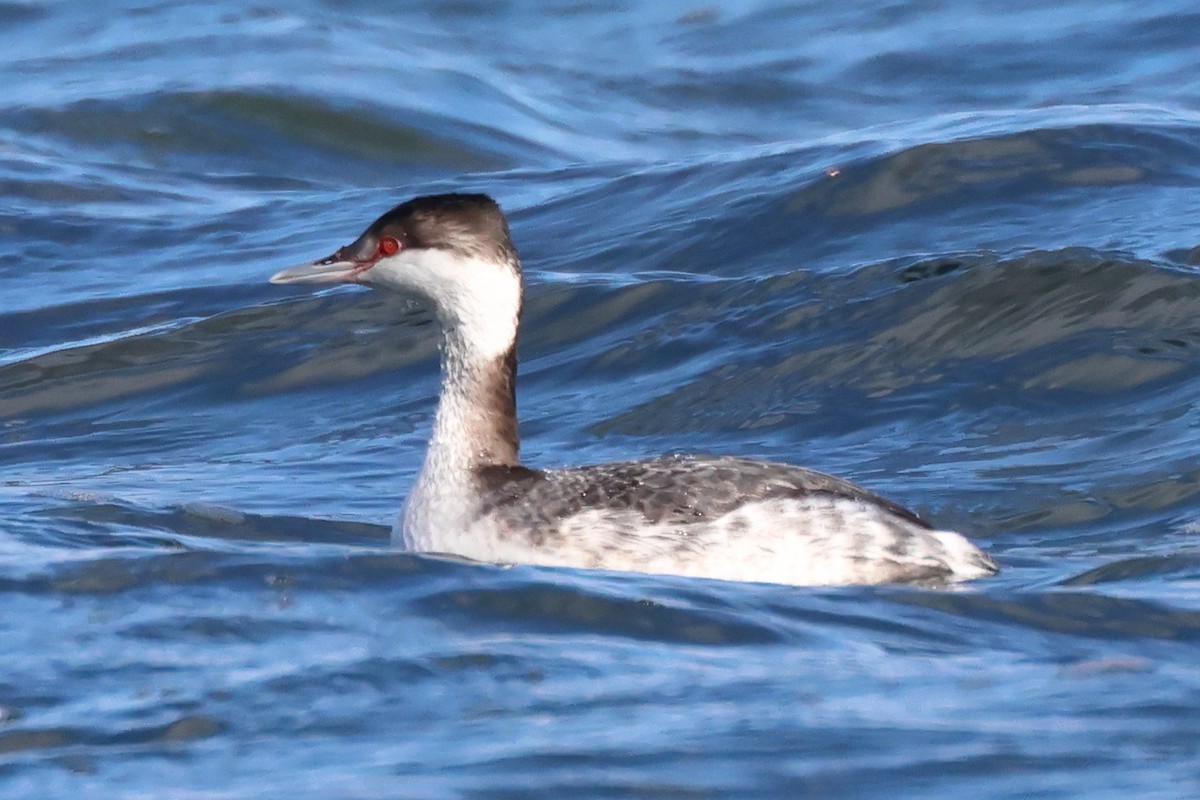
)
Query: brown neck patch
[{"x": 499, "y": 402}]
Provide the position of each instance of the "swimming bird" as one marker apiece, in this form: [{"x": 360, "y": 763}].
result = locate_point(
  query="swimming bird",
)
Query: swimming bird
[{"x": 706, "y": 516}]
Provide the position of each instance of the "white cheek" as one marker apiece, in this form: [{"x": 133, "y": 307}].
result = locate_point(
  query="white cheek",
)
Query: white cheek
[{"x": 476, "y": 300}]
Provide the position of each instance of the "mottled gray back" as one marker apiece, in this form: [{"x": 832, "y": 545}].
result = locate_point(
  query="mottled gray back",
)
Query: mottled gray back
[{"x": 675, "y": 490}]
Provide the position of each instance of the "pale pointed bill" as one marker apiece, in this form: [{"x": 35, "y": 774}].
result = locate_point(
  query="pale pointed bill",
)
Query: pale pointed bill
[{"x": 324, "y": 271}]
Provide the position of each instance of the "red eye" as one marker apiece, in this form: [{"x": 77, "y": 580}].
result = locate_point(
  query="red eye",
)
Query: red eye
[{"x": 388, "y": 246}]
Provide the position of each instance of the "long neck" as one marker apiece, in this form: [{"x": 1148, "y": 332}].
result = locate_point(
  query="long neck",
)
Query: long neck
[
  {"x": 476, "y": 420},
  {"x": 478, "y": 304},
  {"x": 475, "y": 426}
]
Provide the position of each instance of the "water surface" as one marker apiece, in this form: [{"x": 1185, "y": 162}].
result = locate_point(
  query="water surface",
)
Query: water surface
[{"x": 948, "y": 251}]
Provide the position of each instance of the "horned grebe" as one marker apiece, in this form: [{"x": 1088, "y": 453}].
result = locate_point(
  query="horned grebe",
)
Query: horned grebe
[{"x": 709, "y": 516}]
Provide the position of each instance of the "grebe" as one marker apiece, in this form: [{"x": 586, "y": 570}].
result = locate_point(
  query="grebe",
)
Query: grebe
[{"x": 705, "y": 516}]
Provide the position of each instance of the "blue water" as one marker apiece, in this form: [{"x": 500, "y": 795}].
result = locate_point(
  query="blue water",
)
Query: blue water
[{"x": 947, "y": 250}]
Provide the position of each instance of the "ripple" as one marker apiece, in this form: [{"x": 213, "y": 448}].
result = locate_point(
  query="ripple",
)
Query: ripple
[
  {"x": 959, "y": 269},
  {"x": 548, "y": 608},
  {"x": 323, "y": 140}
]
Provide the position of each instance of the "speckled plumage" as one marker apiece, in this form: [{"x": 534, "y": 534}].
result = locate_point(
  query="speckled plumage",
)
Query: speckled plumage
[
  {"x": 708, "y": 516},
  {"x": 714, "y": 516},
  {"x": 669, "y": 490}
]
